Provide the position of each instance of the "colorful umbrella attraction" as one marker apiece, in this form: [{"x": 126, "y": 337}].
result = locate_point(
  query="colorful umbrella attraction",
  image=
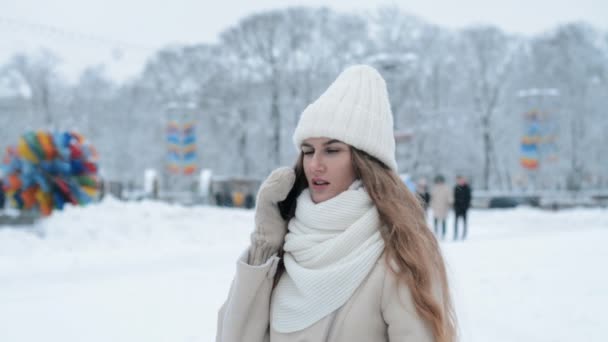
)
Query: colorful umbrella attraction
[{"x": 47, "y": 170}]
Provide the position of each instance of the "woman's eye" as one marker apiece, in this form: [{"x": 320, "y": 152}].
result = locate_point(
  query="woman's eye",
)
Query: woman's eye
[
  {"x": 307, "y": 152},
  {"x": 330, "y": 151}
]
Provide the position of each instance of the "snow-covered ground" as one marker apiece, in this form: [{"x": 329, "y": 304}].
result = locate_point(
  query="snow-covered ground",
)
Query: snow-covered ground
[{"x": 155, "y": 272}]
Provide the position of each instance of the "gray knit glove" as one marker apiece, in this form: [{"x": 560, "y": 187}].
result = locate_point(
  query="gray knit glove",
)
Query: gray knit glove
[{"x": 270, "y": 228}]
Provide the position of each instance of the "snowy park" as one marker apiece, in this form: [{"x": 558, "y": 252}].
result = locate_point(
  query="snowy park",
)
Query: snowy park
[
  {"x": 135, "y": 140},
  {"x": 150, "y": 271}
]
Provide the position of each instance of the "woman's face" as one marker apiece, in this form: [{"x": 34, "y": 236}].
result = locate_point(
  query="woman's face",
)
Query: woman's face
[{"x": 328, "y": 167}]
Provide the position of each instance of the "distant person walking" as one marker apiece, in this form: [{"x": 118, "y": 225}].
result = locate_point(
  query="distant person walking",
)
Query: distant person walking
[
  {"x": 441, "y": 201},
  {"x": 422, "y": 192},
  {"x": 1, "y": 194},
  {"x": 462, "y": 203}
]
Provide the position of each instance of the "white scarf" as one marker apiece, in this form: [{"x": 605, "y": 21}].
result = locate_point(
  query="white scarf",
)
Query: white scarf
[{"x": 329, "y": 250}]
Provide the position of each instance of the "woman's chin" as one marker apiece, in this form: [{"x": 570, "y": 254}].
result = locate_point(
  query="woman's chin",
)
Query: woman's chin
[{"x": 321, "y": 197}]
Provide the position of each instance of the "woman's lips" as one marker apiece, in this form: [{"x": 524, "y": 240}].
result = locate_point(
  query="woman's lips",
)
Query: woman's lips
[
  {"x": 319, "y": 187},
  {"x": 319, "y": 184}
]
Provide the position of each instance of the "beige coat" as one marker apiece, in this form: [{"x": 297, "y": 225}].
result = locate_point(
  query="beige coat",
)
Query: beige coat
[
  {"x": 378, "y": 311},
  {"x": 442, "y": 199}
]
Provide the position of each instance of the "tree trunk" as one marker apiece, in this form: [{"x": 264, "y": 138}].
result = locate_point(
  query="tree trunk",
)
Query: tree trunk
[{"x": 276, "y": 119}]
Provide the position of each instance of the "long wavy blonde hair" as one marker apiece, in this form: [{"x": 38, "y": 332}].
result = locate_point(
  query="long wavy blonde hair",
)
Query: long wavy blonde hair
[{"x": 412, "y": 251}]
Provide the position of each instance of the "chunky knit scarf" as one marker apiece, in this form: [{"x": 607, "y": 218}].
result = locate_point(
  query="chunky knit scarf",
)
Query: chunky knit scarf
[{"x": 329, "y": 250}]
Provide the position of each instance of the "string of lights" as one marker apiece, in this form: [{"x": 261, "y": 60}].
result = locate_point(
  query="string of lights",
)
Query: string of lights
[{"x": 70, "y": 35}]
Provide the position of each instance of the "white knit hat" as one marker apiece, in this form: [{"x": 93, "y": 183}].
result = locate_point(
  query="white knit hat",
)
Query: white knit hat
[{"x": 355, "y": 110}]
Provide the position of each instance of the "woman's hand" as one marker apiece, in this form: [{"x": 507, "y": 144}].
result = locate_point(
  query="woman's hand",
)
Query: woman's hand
[{"x": 270, "y": 228}]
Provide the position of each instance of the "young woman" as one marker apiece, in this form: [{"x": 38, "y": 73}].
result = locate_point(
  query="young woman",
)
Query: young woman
[{"x": 340, "y": 251}]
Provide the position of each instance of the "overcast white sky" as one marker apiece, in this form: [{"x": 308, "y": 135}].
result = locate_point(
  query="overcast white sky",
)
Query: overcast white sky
[{"x": 151, "y": 23}]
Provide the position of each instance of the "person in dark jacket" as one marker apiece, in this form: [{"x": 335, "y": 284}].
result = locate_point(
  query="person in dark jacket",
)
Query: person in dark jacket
[
  {"x": 1, "y": 194},
  {"x": 423, "y": 194},
  {"x": 462, "y": 203}
]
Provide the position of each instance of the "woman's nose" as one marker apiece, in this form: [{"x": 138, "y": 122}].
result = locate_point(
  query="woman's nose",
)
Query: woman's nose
[{"x": 317, "y": 163}]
